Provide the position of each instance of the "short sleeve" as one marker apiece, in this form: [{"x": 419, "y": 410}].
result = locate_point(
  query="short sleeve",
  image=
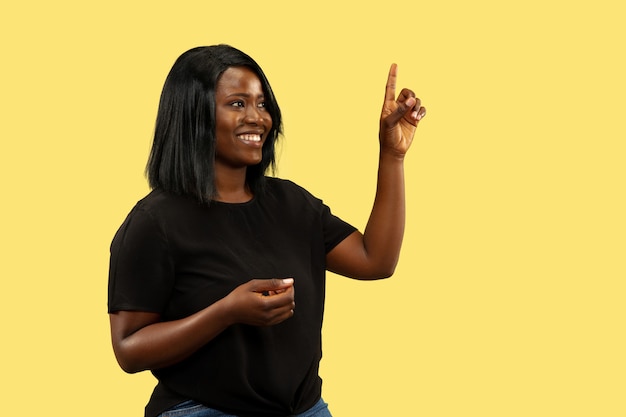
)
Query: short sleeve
[
  {"x": 335, "y": 229},
  {"x": 141, "y": 272}
]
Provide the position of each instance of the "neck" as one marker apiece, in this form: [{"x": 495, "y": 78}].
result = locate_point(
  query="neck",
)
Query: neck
[{"x": 231, "y": 187}]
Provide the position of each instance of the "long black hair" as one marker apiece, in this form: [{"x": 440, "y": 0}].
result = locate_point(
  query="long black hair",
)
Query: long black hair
[{"x": 182, "y": 158}]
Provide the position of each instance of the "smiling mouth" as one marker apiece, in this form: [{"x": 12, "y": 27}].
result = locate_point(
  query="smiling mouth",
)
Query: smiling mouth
[{"x": 250, "y": 137}]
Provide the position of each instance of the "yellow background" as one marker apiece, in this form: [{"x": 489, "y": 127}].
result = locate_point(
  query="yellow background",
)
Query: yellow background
[{"x": 509, "y": 299}]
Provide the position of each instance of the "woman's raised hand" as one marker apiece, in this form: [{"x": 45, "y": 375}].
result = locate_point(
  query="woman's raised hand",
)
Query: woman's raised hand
[{"x": 399, "y": 117}]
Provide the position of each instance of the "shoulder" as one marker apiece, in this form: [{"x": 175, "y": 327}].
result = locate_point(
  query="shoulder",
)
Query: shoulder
[
  {"x": 275, "y": 184},
  {"x": 159, "y": 198},
  {"x": 159, "y": 203},
  {"x": 158, "y": 210},
  {"x": 289, "y": 191}
]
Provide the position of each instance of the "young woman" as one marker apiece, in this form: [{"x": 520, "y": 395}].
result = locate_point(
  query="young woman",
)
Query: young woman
[{"x": 217, "y": 276}]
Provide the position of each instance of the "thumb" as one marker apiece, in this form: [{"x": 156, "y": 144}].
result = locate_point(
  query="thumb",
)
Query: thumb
[
  {"x": 273, "y": 284},
  {"x": 403, "y": 109}
]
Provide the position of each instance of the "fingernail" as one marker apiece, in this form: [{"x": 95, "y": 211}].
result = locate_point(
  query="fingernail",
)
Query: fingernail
[
  {"x": 415, "y": 115},
  {"x": 288, "y": 281}
]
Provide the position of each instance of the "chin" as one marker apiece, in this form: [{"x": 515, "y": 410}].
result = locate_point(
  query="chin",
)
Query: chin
[{"x": 255, "y": 160}]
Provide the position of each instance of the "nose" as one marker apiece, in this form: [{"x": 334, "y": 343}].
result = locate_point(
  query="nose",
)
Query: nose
[{"x": 253, "y": 115}]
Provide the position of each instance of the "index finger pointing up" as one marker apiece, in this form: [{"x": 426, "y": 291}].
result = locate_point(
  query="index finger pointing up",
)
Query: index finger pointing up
[{"x": 390, "y": 88}]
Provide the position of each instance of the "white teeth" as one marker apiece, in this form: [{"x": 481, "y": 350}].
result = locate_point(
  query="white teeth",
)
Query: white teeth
[{"x": 251, "y": 138}]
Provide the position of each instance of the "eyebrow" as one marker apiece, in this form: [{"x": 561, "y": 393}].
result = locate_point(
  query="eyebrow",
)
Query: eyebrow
[{"x": 245, "y": 95}]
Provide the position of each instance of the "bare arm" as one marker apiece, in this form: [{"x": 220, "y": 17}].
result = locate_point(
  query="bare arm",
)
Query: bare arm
[
  {"x": 374, "y": 254},
  {"x": 142, "y": 341}
]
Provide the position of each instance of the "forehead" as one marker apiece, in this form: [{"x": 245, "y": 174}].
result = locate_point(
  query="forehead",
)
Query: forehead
[{"x": 239, "y": 80}]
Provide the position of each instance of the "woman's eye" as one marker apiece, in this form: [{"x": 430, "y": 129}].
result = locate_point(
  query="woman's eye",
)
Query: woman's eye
[
  {"x": 237, "y": 103},
  {"x": 262, "y": 105}
]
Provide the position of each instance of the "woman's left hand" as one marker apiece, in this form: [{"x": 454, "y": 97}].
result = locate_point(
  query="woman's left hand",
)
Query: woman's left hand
[{"x": 399, "y": 117}]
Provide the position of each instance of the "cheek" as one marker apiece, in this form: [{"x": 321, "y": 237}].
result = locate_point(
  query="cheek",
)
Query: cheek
[{"x": 268, "y": 122}]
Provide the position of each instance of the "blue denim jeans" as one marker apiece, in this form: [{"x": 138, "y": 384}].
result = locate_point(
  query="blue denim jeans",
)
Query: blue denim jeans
[{"x": 193, "y": 409}]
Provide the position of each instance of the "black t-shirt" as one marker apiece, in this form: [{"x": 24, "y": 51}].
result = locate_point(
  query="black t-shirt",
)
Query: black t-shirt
[{"x": 175, "y": 257}]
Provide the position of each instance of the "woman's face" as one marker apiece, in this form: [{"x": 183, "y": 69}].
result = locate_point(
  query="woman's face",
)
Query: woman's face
[{"x": 242, "y": 122}]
